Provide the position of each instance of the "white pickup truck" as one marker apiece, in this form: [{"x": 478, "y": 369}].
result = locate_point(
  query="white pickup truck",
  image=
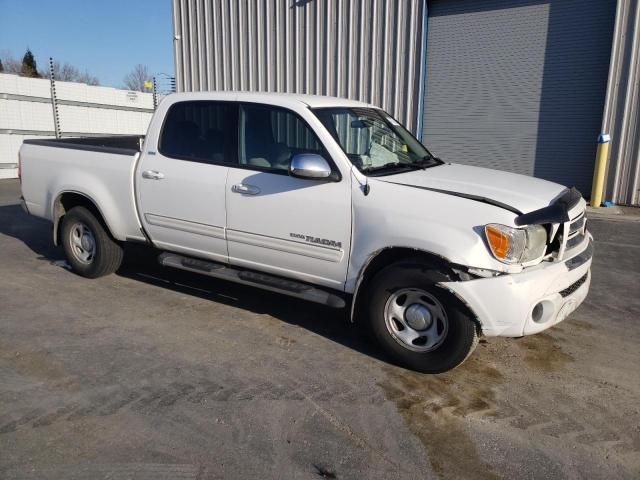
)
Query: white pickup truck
[{"x": 325, "y": 199}]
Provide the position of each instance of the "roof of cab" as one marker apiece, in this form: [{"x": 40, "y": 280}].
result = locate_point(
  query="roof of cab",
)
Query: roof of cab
[{"x": 281, "y": 99}]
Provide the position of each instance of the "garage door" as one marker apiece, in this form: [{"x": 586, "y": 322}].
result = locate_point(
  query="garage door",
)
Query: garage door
[{"x": 518, "y": 85}]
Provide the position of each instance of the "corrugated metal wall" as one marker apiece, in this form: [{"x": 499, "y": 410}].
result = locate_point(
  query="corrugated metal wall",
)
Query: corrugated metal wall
[
  {"x": 518, "y": 85},
  {"x": 368, "y": 50},
  {"x": 622, "y": 107}
]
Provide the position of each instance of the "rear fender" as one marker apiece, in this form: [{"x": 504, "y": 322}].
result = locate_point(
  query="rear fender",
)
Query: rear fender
[{"x": 69, "y": 199}]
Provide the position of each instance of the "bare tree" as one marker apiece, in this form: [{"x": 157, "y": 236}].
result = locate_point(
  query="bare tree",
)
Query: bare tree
[
  {"x": 68, "y": 73},
  {"x": 64, "y": 72},
  {"x": 10, "y": 64},
  {"x": 136, "y": 79}
]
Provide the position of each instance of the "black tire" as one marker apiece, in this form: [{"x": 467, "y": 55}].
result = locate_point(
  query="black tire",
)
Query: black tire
[
  {"x": 458, "y": 340},
  {"x": 107, "y": 255}
]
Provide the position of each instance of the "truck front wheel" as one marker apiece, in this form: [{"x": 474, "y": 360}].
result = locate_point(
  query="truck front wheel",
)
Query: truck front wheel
[
  {"x": 422, "y": 326},
  {"x": 89, "y": 248}
]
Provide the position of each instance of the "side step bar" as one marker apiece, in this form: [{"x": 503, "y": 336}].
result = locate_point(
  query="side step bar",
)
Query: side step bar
[{"x": 254, "y": 279}]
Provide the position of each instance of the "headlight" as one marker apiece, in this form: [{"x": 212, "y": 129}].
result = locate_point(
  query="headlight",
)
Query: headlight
[{"x": 516, "y": 245}]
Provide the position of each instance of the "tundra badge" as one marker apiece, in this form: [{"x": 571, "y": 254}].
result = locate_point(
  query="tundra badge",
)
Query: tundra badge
[{"x": 317, "y": 240}]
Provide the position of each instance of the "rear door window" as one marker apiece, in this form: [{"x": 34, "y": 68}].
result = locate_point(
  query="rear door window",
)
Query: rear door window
[{"x": 201, "y": 131}]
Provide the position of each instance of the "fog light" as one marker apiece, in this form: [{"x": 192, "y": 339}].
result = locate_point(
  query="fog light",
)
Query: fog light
[{"x": 536, "y": 313}]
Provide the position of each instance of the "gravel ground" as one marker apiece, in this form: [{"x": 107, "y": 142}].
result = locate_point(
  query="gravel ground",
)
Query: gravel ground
[{"x": 158, "y": 374}]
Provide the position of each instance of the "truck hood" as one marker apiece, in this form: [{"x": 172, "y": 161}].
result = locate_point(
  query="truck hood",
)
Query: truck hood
[{"x": 518, "y": 193}]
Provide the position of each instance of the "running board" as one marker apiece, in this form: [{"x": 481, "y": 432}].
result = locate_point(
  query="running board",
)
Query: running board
[{"x": 254, "y": 279}]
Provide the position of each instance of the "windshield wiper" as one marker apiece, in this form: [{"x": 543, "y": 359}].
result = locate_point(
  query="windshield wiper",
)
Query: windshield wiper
[
  {"x": 425, "y": 162},
  {"x": 387, "y": 167},
  {"x": 429, "y": 161}
]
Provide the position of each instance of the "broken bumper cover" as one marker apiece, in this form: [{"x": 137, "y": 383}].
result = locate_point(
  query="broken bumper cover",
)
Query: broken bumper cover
[{"x": 530, "y": 301}]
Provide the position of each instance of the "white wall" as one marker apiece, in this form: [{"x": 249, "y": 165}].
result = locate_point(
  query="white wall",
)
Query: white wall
[{"x": 26, "y": 112}]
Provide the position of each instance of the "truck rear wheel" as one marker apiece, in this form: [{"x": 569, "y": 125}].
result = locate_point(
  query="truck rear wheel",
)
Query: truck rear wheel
[
  {"x": 89, "y": 248},
  {"x": 422, "y": 326}
]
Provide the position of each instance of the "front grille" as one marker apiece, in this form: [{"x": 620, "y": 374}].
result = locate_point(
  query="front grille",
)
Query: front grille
[
  {"x": 575, "y": 241},
  {"x": 574, "y": 286},
  {"x": 570, "y": 235},
  {"x": 577, "y": 225},
  {"x": 570, "y": 224}
]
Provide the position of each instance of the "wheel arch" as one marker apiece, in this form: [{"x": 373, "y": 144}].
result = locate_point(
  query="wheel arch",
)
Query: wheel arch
[
  {"x": 69, "y": 199},
  {"x": 388, "y": 255}
]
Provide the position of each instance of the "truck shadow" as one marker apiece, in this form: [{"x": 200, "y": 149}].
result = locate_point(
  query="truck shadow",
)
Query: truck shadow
[
  {"x": 34, "y": 232},
  {"x": 141, "y": 265}
]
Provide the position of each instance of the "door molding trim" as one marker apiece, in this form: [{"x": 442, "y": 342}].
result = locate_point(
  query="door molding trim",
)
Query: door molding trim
[
  {"x": 185, "y": 225},
  {"x": 320, "y": 252}
]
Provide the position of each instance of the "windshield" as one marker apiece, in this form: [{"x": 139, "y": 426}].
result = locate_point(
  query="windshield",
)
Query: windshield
[{"x": 374, "y": 142}]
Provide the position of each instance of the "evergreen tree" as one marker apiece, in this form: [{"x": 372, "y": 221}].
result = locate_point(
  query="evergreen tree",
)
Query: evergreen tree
[
  {"x": 29, "y": 66},
  {"x": 1, "y": 66}
]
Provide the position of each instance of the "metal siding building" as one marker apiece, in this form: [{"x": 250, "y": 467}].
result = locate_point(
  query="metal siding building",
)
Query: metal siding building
[
  {"x": 359, "y": 49},
  {"x": 621, "y": 117},
  {"x": 519, "y": 85},
  {"x": 522, "y": 86}
]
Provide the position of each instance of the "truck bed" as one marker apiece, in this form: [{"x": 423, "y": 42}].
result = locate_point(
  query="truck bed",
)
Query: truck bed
[{"x": 100, "y": 169}]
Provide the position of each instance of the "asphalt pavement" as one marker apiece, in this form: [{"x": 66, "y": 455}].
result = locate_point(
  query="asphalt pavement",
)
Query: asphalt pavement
[{"x": 152, "y": 373}]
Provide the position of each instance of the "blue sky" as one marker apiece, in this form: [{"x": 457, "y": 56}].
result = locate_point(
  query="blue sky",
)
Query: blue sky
[{"x": 105, "y": 37}]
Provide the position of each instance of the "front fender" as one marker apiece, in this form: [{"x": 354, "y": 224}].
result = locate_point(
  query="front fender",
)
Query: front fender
[{"x": 395, "y": 216}]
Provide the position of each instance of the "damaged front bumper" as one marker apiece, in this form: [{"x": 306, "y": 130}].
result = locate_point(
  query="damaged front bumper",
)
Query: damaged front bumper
[{"x": 531, "y": 301}]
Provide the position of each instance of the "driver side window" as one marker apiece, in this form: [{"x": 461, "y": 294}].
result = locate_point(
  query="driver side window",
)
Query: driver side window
[{"x": 270, "y": 137}]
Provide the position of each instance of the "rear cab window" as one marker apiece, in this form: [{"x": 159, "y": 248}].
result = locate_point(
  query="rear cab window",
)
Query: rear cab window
[{"x": 200, "y": 131}]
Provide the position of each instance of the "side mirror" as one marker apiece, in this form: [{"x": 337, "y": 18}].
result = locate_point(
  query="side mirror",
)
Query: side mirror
[{"x": 310, "y": 166}]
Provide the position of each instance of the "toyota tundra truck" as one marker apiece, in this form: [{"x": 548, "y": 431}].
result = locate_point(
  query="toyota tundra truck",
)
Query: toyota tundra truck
[{"x": 328, "y": 200}]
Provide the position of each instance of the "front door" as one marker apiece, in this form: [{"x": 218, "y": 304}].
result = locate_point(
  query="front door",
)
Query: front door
[
  {"x": 287, "y": 226},
  {"x": 181, "y": 186}
]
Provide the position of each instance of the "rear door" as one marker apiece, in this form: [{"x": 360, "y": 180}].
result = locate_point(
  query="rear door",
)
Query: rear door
[
  {"x": 181, "y": 183},
  {"x": 298, "y": 228}
]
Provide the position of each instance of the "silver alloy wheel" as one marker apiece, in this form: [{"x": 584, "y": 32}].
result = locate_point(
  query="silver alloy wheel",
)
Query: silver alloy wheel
[
  {"x": 416, "y": 319},
  {"x": 83, "y": 243}
]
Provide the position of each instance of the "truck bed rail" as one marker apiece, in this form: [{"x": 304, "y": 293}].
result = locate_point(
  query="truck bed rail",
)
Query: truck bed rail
[{"x": 117, "y": 144}]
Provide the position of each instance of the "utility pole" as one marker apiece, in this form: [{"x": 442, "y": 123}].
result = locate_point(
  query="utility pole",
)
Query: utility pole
[{"x": 54, "y": 99}]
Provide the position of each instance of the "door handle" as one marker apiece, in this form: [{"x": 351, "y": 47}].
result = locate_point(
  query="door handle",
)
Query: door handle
[
  {"x": 153, "y": 175},
  {"x": 245, "y": 189}
]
